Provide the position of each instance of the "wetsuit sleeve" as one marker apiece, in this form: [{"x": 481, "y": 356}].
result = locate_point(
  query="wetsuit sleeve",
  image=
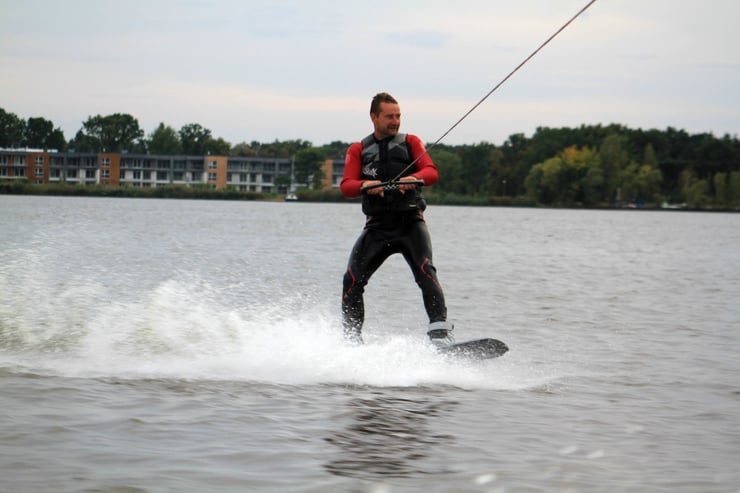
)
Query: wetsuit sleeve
[
  {"x": 425, "y": 168},
  {"x": 352, "y": 179}
]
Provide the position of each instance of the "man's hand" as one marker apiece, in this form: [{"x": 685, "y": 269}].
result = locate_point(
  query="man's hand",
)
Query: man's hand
[
  {"x": 368, "y": 187},
  {"x": 371, "y": 187},
  {"x": 402, "y": 188}
]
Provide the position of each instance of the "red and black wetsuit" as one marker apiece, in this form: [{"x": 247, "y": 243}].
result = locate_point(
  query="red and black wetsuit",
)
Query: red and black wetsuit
[{"x": 395, "y": 223}]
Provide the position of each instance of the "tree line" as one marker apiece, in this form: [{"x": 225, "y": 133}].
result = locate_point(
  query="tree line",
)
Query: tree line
[{"x": 591, "y": 165}]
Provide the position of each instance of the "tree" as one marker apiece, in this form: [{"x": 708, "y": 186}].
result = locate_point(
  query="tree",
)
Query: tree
[
  {"x": 287, "y": 148},
  {"x": 696, "y": 194},
  {"x": 497, "y": 174},
  {"x": 544, "y": 182},
  {"x": 164, "y": 140},
  {"x": 335, "y": 149},
  {"x": 218, "y": 147},
  {"x": 40, "y": 133},
  {"x": 12, "y": 130},
  {"x": 111, "y": 133},
  {"x": 244, "y": 149},
  {"x": 475, "y": 167},
  {"x": 565, "y": 178},
  {"x": 614, "y": 159},
  {"x": 648, "y": 156},
  {"x": 583, "y": 172},
  {"x": 308, "y": 164},
  {"x": 194, "y": 139},
  {"x": 593, "y": 185},
  {"x": 721, "y": 189},
  {"x": 734, "y": 189},
  {"x": 450, "y": 170},
  {"x": 641, "y": 183}
]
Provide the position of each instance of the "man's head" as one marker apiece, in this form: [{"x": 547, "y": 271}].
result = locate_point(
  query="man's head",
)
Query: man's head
[{"x": 385, "y": 114}]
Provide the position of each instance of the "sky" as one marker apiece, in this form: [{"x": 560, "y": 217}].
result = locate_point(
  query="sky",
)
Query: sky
[{"x": 266, "y": 70}]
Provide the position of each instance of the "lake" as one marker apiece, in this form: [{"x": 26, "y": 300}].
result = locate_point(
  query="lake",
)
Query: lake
[{"x": 190, "y": 346}]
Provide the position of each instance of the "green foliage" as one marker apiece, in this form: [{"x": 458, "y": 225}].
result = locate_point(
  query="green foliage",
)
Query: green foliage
[
  {"x": 734, "y": 190},
  {"x": 307, "y": 165},
  {"x": 334, "y": 150},
  {"x": 41, "y": 134},
  {"x": 641, "y": 183},
  {"x": 164, "y": 140},
  {"x": 474, "y": 171},
  {"x": 574, "y": 177},
  {"x": 287, "y": 148},
  {"x": 194, "y": 139},
  {"x": 12, "y": 129},
  {"x": 450, "y": 167},
  {"x": 696, "y": 194},
  {"x": 614, "y": 159},
  {"x": 112, "y": 133},
  {"x": 590, "y": 165},
  {"x": 218, "y": 147},
  {"x": 25, "y": 187}
]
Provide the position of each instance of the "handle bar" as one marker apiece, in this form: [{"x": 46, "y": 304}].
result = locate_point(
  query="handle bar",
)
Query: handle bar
[{"x": 393, "y": 185}]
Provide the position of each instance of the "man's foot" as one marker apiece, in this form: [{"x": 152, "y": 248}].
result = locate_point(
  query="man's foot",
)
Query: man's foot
[{"x": 440, "y": 333}]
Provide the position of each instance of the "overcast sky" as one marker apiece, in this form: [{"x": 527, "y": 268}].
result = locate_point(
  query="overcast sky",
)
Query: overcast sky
[{"x": 288, "y": 69}]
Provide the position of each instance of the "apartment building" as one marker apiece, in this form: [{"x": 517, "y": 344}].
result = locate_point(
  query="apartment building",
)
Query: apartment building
[{"x": 248, "y": 174}]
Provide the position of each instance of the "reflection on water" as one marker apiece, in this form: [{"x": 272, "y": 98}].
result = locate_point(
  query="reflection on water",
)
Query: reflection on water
[{"x": 390, "y": 436}]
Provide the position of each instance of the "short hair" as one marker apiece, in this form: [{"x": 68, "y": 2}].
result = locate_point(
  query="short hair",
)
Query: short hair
[{"x": 381, "y": 97}]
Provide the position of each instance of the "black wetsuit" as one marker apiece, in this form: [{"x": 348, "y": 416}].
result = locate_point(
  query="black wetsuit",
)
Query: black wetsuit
[
  {"x": 395, "y": 224},
  {"x": 406, "y": 234}
]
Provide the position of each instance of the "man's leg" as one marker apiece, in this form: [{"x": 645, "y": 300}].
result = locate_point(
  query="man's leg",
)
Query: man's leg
[
  {"x": 418, "y": 254},
  {"x": 367, "y": 255}
]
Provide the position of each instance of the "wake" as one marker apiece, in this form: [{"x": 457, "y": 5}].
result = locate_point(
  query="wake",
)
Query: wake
[{"x": 179, "y": 331}]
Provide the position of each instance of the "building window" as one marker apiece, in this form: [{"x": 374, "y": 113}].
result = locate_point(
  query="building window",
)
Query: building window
[
  {"x": 212, "y": 176},
  {"x": 19, "y": 172},
  {"x": 39, "y": 172},
  {"x": 105, "y": 161},
  {"x": 105, "y": 173},
  {"x": 212, "y": 165},
  {"x": 39, "y": 159},
  {"x": 90, "y": 173}
]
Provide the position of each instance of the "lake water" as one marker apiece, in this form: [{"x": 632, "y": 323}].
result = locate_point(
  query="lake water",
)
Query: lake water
[{"x": 191, "y": 346}]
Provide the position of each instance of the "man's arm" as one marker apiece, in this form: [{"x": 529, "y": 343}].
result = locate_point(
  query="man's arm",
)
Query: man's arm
[
  {"x": 351, "y": 184},
  {"x": 426, "y": 170}
]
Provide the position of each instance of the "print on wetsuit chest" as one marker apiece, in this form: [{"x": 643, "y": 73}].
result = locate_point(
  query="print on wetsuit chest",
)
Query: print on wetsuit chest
[{"x": 386, "y": 159}]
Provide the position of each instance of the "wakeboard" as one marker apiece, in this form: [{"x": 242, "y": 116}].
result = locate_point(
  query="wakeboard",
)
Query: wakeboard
[{"x": 477, "y": 349}]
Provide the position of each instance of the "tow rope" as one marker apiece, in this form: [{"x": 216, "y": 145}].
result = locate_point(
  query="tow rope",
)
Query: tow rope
[{"x": 539, "y": 48}]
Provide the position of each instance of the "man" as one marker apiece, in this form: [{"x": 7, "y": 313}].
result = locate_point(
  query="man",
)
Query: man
[{"x": 394, "y": 217}]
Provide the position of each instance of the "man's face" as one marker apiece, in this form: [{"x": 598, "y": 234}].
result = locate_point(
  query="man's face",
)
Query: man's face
[{"x": 387, "y": 121}]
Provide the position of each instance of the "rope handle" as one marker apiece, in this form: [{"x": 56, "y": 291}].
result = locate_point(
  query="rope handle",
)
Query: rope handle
[{"x": 393, "y": 185}]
